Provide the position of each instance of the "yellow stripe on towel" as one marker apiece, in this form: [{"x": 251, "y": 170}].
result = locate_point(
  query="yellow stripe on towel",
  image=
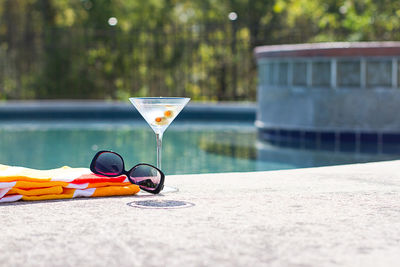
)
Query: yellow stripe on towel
[
  {"x": 116, "y": 191},
  {"x": 36, "y": 192},
  {"x": 98, "y": 192},
  {"x": 30, "y": 184},
  {"x": 66, "y": 193},
  {"x": 22, "y": 178}
]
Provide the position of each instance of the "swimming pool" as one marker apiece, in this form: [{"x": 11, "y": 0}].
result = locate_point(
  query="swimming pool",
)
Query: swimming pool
[{"x": 194, "y": 147}]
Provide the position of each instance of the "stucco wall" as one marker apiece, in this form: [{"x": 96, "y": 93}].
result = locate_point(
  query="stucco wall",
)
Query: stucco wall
[{"x": 331, "y": 90}]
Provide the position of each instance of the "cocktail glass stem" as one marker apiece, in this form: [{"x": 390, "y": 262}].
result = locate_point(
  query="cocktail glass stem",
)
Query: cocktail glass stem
[{"x": 159, "y": 148}]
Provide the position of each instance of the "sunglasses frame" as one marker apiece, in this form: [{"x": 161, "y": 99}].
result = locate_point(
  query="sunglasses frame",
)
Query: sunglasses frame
[{"x": 124, "y": 172}]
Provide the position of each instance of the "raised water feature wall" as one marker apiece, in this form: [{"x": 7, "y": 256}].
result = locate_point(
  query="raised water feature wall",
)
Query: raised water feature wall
[{"x": 333, "y": 91}]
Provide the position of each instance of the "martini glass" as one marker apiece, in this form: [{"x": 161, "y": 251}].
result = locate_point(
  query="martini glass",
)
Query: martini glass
[{"x": 159, "y": 112}]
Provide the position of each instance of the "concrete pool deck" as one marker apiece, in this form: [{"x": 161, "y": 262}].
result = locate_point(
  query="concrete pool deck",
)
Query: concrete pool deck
[{"x": 329, "y": 216}]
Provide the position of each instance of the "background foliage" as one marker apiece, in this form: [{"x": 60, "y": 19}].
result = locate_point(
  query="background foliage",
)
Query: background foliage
[{"x": 67, "y": 49}]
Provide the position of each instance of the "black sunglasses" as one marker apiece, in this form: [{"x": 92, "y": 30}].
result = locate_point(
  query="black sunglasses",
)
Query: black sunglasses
[{"x": 146, "y": 176}]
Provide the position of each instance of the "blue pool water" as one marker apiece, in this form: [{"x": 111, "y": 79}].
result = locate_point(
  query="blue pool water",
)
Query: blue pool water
[{"x": 187, "y": 147}]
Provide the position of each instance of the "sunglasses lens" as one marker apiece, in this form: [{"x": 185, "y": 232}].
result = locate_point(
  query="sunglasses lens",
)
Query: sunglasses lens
[
  {"x": 147, "y": 177},
  {"x": 109, "y": 163}
]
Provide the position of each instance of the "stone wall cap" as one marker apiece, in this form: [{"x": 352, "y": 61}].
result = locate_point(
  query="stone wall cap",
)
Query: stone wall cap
[{"x": 334, "y": 49}]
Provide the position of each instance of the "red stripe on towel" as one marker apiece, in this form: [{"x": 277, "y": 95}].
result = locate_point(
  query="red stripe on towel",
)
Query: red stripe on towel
[{"x": 95, "y": 178}]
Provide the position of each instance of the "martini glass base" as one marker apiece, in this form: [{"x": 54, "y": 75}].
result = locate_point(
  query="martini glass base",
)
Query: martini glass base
[{"x": 169, "y": 189}]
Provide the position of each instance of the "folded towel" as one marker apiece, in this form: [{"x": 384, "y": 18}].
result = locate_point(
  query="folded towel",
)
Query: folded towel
[{"x": 30, "y": 184}]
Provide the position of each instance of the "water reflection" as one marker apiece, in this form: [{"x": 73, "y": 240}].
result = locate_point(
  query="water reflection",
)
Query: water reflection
[
  {"x": 302, "y": 157},
  {"x": 187, "y": 148},
  {"x": 237, "y": 146},
  {"x": 50, "y": 146}
]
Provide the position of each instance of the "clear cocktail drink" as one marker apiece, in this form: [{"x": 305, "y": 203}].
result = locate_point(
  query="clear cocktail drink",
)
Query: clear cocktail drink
[{"x": 159, "y": 112}]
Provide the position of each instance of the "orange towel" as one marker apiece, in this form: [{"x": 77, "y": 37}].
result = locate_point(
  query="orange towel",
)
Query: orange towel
[{"x": 30, "y": 184}]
